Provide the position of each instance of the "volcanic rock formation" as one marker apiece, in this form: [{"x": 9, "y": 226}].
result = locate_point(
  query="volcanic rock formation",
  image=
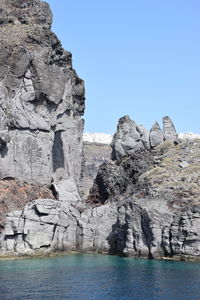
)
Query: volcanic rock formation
[
  {"x": 41, "y": 100},
  {"x": 144, "y": 202},
  {"x": 148, "y": 206},
  {"x": 157, "y": 197},
  {"x": 131, "y": 138}
]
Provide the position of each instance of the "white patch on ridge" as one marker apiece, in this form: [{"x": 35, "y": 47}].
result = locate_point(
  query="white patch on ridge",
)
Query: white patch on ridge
[
  {"x": 101, "y": 138},
  {"x": 104, "y": 138},
  {"x": 189, "y": 135}
]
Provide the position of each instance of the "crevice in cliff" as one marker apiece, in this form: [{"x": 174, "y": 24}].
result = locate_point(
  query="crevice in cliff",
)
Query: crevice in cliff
[
  {"x": 117, "y": 238},
  {"x": 38, "y": 213},
  {"x": 146, "y": 230},
  {"x": 79, "y": 236},
  {"x": 170, "y": 241},
  {"x": 54, "y": 192},
  {"x": 54, "y": 231},
  {"x": 3, "y": 148},
  {"x": 58, "y": 152},
  {"x": 45, "y": 246},
  {"x": 67, "y": 112},
  {"x": 36, "y": 130}
]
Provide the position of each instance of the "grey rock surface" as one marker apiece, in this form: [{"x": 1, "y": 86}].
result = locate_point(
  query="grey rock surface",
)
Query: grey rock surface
[
  {"x": 149, "y": 208},
  {"x": 25, "y": 12},
  {"x": 157, "y": 201},
  {"x": 144, "y": 203},
  {"x": 129, "y": 138},
  {"x": 41, "y": 99},
  {"x": 47, "y": 225},
  {"x": 94, "y": 155},
  {"x": 156, "y": 135},
  {"x": 169, "y": 129},
  {"x": 183, "y": 164}
]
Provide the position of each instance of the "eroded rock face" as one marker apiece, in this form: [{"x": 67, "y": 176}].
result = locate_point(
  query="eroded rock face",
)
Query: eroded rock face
[
  {"x": 47, "y": 225},
  {"x": 25, "y": 12},
  {"x": 156, "y": 135},
  {"x": 41, "y": 98},
  {"x": 157, "y": 204},
  {"x": 14, "y": 194},
  {"x": 144, "y": 203},
  {"x": 149, "y": 208},
  {"x": 169, "y": 129},
  {"x": 129, "y": 138},
  {"x": 153, "y": 230},
  {"x": 117, "y": 179}
]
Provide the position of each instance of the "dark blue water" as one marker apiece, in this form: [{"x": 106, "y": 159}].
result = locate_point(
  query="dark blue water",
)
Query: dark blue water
[{"x": 89, "y": 277}]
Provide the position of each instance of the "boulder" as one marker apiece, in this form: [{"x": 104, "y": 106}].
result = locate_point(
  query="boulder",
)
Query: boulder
[{"x": 129, "y": 138}]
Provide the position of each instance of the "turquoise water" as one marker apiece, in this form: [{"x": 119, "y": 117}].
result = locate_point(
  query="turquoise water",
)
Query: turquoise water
[{"x": 96, "y": 277}]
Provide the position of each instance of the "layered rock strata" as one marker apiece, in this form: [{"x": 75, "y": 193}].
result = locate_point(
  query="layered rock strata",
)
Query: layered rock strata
[{"x": 41, "y": 100}]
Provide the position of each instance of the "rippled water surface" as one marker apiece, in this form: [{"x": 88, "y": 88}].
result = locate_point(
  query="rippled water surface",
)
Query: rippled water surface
[{"x": 98, "y": 277}]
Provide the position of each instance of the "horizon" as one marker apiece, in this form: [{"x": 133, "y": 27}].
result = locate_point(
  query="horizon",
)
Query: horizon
[{"x": 139, "y": 59}]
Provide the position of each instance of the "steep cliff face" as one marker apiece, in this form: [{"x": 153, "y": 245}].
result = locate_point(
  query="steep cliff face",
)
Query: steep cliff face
[
  {"x": 145, "y": 202},
  {"x": 47, "y": 225},
  {"x": 157, "y": 197},
  {"x": 41, "y": 100},
  {"x": 148, "y": 207}
]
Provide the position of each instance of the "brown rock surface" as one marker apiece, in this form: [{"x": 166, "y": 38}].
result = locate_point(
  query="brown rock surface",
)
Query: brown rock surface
[{"x": 14, "y": 194}]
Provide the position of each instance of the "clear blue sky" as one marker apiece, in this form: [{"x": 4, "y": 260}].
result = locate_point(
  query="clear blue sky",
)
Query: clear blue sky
[{"x": 137, "y": 57}]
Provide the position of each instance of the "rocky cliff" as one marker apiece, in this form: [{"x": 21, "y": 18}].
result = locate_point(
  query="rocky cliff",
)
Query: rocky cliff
[
  {"x": 41, "y": 99},
  {"x": 144, "y": 202},
  {"x": 156, "y": 191}
]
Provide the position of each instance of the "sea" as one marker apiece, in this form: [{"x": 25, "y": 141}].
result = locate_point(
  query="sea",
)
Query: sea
[{"x": 96, "y": 277}]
